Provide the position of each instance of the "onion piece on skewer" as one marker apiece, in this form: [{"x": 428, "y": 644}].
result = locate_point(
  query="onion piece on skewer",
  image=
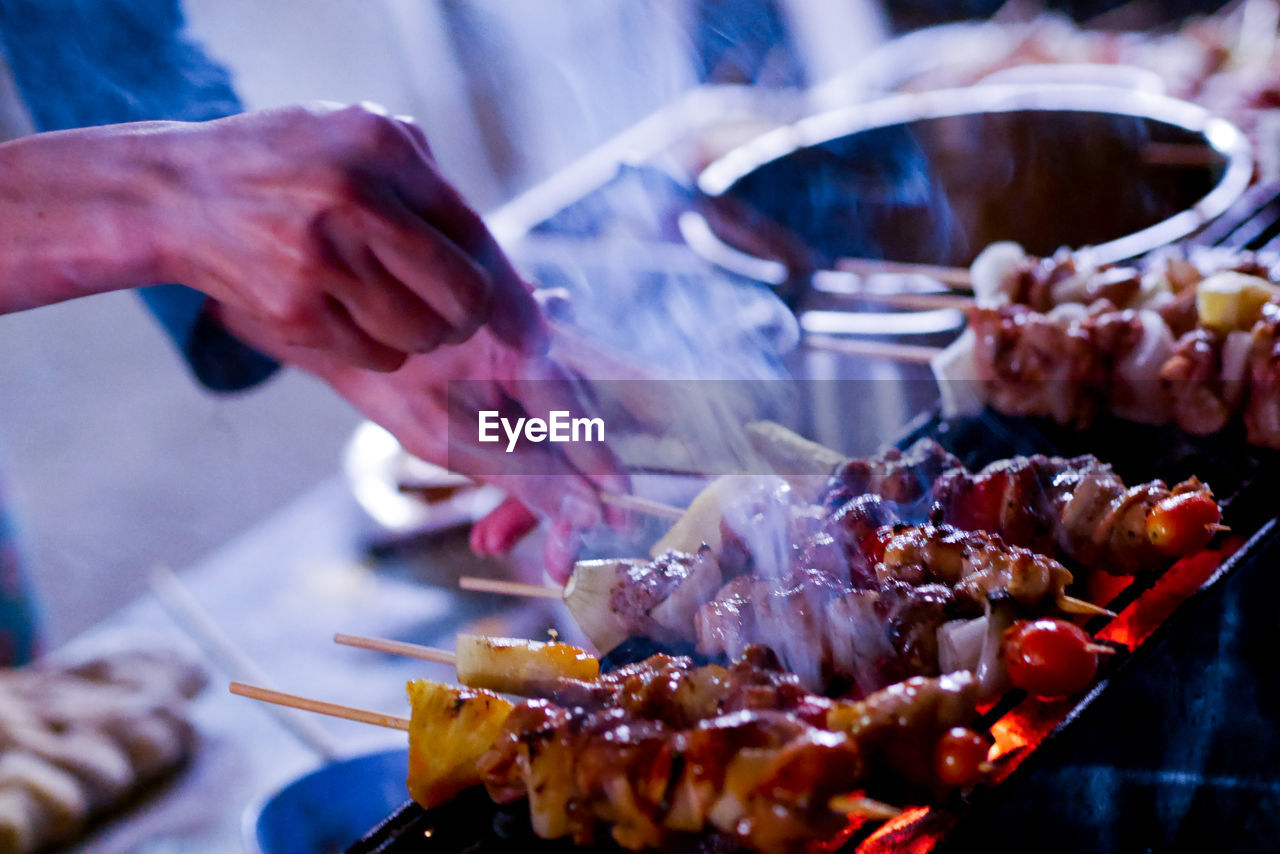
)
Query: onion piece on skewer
[
  {"x": 613, "y": 600},
  {"x": 1235, "y": 362},
  {"x": 956, "y": 371},
  {"x": 991, "y": 272},
  {"x": 992, "y": 676},
  {"x": 589, "y": 597},
  {"x": 700, "y": 523},
  {"x": 960, "y": 644},
  {"x": 1137, "y": 393}
]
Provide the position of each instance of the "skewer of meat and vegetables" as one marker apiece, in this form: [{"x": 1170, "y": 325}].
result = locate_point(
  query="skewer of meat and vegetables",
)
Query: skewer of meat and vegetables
[{"x": 848, "y": 627}]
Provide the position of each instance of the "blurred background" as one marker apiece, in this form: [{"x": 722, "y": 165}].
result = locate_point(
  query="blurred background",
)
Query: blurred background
[{"x": 120, "y": 462}]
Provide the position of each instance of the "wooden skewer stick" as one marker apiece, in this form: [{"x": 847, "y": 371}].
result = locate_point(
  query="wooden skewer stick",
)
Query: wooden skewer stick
[
  {"x": 856, "y": 805},
  {"x": 911, "y": 301},
  {"x": 1100, "y": 649},
  {"x": 320, "y": 707},
  {"x": 647, "y": 506},
  {"x": 953, "y": 277},
  {"x": 509, "y": 588},
  {"x": 1072, "y": 605},
  {"x": 191, "y": 615},
  {"x": 912, "y": 353},
  {"x": 395, "y": 647}
]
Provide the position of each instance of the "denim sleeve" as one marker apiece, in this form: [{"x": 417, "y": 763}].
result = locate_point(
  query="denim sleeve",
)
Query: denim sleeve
[
  {"x": 80, "y": 63},
  {"x": 219, "y": 361}
]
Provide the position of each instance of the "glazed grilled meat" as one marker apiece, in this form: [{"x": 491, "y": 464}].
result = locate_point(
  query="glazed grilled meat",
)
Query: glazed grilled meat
[
  {"x": 1069, "y": 508},
  {"x": 867, "y": 633},
  {"x": 662, "y": 748},
  {"x": 900, "y": 477},
  {"x": 1077, "y": 508},
  {"x": 1031, "y": 364},
  {"x": 972, "y": 566},
  {"x": 1262, "y": 410},
  {"x": 1178, "y": 345}
]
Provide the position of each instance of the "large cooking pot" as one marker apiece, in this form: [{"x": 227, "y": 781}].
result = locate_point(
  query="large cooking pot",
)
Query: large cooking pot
[{"x": 934, "y": 177}]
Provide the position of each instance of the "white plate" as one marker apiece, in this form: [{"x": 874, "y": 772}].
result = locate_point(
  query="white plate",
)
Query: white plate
[{"x": 377, "y": 469}]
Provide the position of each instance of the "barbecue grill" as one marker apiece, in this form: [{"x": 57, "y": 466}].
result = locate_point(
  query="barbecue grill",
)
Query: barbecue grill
[
  {"x": 1173, "y": 746},
  {"x": 1151, "y": 707}
]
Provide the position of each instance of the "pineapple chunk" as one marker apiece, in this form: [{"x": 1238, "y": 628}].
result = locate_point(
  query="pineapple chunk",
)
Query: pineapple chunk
[
  {"x": 451, "y": 728},
  {"x": 1231, "y": 301},
  {"x": 512, "y": 665}
]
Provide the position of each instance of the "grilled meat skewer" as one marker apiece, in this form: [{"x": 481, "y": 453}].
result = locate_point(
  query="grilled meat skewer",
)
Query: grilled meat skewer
[
  {"x": 1075, "y": 509},
  {"x": 663, "y": 748},
  {"x": 1176, "y": 343}
]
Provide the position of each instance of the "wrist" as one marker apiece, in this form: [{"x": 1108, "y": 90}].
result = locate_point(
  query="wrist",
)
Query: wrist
[
  {"x": 143, "y": 213},
  {"x": 79, "y": 214}
]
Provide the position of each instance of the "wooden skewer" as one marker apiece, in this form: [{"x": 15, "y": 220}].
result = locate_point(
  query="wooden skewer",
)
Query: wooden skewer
[
  {"x": 1100, "y": 649},
  {"x": 395, "y": 647},
  {"x": 321, "y": 707},
  {"x": 857, "y": 805},
  {"x": 1072, "y": 605},
  {"x": 509, "y": 588},
  {"x": 190, "y": 614},
  {"x": 1066, "y": 604},
  {"x": 912, "y": 353},
  {"x": 642, "y": 505},
  {"x": 915, "y": 302},
  {"x": 953, "y": 277}
]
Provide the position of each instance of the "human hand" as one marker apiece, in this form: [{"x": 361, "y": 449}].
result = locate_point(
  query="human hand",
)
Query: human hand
[
  {"x": 334, "y": 228},
  {"x": 430, "y": 406}
]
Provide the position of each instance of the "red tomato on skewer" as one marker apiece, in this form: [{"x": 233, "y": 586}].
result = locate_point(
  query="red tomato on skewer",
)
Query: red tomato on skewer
[{"x": 1049, "y": 658}]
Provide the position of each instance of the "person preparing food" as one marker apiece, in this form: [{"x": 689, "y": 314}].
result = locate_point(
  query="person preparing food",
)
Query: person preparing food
[{"x": 321, "y": 236}]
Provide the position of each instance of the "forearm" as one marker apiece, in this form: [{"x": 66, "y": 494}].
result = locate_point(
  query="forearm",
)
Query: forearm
[{"x": 78, "y": 214}]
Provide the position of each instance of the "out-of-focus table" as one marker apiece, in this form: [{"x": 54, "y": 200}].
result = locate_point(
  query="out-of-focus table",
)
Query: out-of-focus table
[{"x": 280, "y": 591}]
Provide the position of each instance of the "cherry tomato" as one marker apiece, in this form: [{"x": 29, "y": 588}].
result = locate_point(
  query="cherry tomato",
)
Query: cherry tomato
[
  {"x": 960, "y": 757},
  {"x": 1182, "y": 524},
  {"x": 873, "y": 544},
  {"x": 1049, "y": 658}
]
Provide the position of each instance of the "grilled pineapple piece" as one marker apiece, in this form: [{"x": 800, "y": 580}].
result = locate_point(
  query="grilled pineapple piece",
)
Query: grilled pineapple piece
[
  {"x": 513, "y": 665},
  {"x": 448, "y": 732},
  {"x": 1228, "y": 301}
]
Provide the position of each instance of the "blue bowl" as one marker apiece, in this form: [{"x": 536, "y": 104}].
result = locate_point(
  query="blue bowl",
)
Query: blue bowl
[{"x": 326, "y": 810}]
